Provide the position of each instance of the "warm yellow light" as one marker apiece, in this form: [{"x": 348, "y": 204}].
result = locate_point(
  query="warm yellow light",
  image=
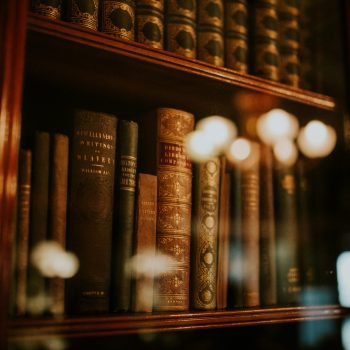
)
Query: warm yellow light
[
  {"x": 317, "y": 139},
  {"x": 199, "y": 146},
  {"x": 239, "y": 150},
  {"x": 275, "y": 125},
  {"x": 285, "y": 152}
]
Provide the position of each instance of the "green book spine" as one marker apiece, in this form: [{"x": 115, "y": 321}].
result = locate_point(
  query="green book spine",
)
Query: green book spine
[
  {"x": 118, "y": 18},
  {"x": 124, "y": 210},
  {"x": 48, "y": 8},
  {"x": 83, "y": 12},
  {"x": 91, "y": 196}
]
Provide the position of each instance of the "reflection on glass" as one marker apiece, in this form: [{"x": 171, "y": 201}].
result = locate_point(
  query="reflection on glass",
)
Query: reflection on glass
[
  {"x": 343, "y": 278},
  {"x": 345, "y": 333}
]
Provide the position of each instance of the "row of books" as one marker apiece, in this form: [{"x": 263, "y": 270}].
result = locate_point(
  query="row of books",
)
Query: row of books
[
  {"x": 152, "y": 230},
  {"x": 267, "y": 38}
]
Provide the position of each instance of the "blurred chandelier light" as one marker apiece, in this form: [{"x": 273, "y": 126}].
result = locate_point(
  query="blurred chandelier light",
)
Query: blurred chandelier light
[
  {"x": 239, "y": 150},
  {"x": 285, "y": 152},
  {"x": 199, "y": 146}
]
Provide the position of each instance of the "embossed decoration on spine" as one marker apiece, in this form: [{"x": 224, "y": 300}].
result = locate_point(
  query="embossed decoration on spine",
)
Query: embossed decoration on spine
[
  {"x": 118, "y": 18},
  {"x": 204, "y": 247},
  {"x": 83, "y": 12},
  {"x": 210, "y": 31},
  {"x": 181, "y": 36},
  {"x": 236, "y": 35},
  {"x": 150, "y": 23},
  {"x": 174, "y": 172},
  {"x": 48, "y": 8}
]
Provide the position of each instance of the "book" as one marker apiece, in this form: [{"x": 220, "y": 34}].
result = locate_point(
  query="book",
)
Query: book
[
  {"x": 150, "y": 23},
  {"x": 205, "y": 235},
  {"x": 58, "y": 212},
  {"x": 23, "y": 225},
  {"x": 91, "y": 198},
  {"x": 166, "y": 157},
  {"x": 48, "y": 8},
  {"x": 118, "y": 18},
  {"x": 236, "y": 35},
  {"x": 210, "y": 35},
  {"x": 181, "y": 35},
  {"x": 83, "y": 12},
  {"x": 124, "y": 209},
  {"x": 145, "y": 243}
]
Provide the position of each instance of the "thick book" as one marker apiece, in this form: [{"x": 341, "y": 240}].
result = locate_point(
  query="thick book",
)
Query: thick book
[
  {"x": 23, "y": 224},
  {"x": 236, "y": 35},
  {"x": 150, "y": 23},
  {"x": 83, "y": 12},
  {"x": 118, "y": 18},
  {"x": 91, "y": 198},
  {"x": 58, "y": 212},
  {"x": 205, "y": 235},
  {"x": 164, "y": 155},
  {"x": 210, "y": 31},
  {"x": 181, "y": 34},
  {"x": 124, "y": 209},
  {"x": 144, "y": 243},
  {"x": 48, "y": 8}
]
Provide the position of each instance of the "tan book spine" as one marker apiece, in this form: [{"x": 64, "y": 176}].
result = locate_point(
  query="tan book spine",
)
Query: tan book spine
[
  {"x": 47, "y": 8},
  {"x": 83, "y": 12}
]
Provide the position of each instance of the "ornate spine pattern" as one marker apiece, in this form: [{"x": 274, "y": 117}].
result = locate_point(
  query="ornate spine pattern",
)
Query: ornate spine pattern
[
  {"x": 210, "y": 34},
  {"x": 266, "y": 54},
  {"x": 118, "y": 18},
  {"x": 150, "y": 23},
  {"x": 48, "y": 8},
  {"x": 91, "y": 210},
  {"x": 84, "y": 13},
  {"x": 174, "y": 174},
  {"x": 236, "y": 35},
  {"x": 125, "y": 205},
  {"x": 289, "y": 42},
  {"x": 181, "y": 36},
  {"x": 205, "y": 235}
]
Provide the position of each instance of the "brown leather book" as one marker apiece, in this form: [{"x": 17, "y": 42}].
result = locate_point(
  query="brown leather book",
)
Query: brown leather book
[
  {"x": 58, "y": 212},
  {"x": 91, "y": 199},
  {"x": 83, "y": 12},
  {"x": 48, "y": 8},
  {"x": 118, "y": 18},
  {"x": 205, "y": 235},
  {"x": 145, "y": 243}
]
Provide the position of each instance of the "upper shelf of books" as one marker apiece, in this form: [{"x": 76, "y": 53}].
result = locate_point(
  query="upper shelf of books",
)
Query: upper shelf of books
[{"x": 79, "y": 59}]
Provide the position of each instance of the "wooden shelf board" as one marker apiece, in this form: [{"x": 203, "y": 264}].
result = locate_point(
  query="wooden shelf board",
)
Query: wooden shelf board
[{"x": 103, "y": 325}]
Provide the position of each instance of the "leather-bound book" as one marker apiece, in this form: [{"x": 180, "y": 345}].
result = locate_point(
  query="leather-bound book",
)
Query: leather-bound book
[
  {"x": 48, "y": 8},
  {"x": 83, "y": 12},
  {"x": 268, "y": 289},
  {"x": 236, "y": 35},
  {"x": 91, "y": 197},
  {"x": 164, "y": 155},
  {"x": 205, "y": 235},
  {"x": 181, "y": 35},
  {"x": 58, "y": 211},
  {"x": 124, "y": 208},
  {"x": 118, "y": 18},
  {"x": 150, "y": 23},
  {"x": 288, "y": 12},
  {"x": 265, "y": 53},
  {"x": 23, "y": 222},
  {"x": 210, "y": 31},
  {"x": 145, "y": 243}
]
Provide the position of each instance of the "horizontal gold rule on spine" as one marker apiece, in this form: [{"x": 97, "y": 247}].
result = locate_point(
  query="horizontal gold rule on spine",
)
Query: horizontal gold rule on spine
[
  {"x": 185, "y": 8},
  {"x": 211, "y": 12},
  {"x": 150, "y": 4}
]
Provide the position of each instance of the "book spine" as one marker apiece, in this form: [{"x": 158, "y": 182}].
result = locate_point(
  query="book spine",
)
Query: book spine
[
  {"x": 236, "y": 35},
  {"x": 210, "y": 26},
  {"x": 205, "y": 234},
  {"x": 174, "y": 174},
  {"x": 266, "y": 56},
  {"x": 268, "y": 289},
  {"x": 48, "y": 8},
  {"x": 150, "y": 23},
  {"x": 118, "y": 18},
  {"x": 24, "y": 193},
  {"x": 289, "y": 42},
  {"x": 83, "y": 12},
  {"x": 91, "y": 210},
  {"x": 125, "y": 207},
  {"x": 58, "y": 212},
  {"x": 145, "y": 243},
  {"x": 181, "y": 36}
]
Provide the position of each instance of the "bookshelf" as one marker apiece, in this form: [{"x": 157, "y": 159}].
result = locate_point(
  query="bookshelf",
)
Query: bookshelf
[{"x": 45, "y": 50}]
